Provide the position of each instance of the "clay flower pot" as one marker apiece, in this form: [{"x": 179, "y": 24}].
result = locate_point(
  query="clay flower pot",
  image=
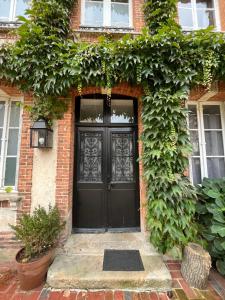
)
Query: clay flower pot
[{"x": 32, "y": 275}]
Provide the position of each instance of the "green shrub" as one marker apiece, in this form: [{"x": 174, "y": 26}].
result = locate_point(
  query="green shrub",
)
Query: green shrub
[
  {"x": 211, "y": 214},
  {"x": 38, "y": 232}
]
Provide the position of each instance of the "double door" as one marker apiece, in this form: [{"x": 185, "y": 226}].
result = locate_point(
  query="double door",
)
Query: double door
[{"x": 106, "y": 187}]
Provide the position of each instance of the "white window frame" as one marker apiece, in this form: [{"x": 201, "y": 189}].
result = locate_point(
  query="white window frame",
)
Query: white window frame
[
  {"x": 107, "y": 14},
  {"x": 12, "y": 12},
  {"x": 195, "y": 20},
  {"x": 8, "y": 99},
  {"x": 201, "y": 134}
]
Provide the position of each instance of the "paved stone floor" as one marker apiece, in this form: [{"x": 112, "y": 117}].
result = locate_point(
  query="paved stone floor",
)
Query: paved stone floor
[{"x": 9, "y": 289}]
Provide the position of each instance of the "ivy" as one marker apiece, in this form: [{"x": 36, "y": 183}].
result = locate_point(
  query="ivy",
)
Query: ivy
[{"x": 162, "y": 59}]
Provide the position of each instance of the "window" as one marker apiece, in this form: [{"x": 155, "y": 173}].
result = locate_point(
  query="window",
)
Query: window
[
  {"x": 197, "y": 14},
  {"x": 207, "y": 137},
  {"x": 10, "y": 9},
  {"x": 99, "y": 13},
  {"x": 9, "y": 141}
]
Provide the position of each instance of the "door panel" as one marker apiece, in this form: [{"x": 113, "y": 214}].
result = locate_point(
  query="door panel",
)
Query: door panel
[
  {"x": 122, "y": 189},
  {"x": 90, "y": 178}
]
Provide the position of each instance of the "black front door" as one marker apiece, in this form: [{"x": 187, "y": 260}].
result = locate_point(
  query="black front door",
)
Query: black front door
[{"x": 106, "y": 187}]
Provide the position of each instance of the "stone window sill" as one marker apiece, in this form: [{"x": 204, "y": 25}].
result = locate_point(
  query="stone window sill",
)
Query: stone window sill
[
  {"x": 93, "y": 29},
  {"x": 9, "y": 25},
  {"x": 9, "y": 200}
]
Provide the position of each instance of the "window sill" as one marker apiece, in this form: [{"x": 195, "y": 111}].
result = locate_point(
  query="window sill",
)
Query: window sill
[
  {"x": 9, "y": 24},
  {"x": 9, "y": 200},
  {"x": 95, "y": 29}
]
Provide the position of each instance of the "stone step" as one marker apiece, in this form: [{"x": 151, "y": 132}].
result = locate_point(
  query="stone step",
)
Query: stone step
[
  {"x": 79, "y": 265},
  {"x": 85, "y": 272}
]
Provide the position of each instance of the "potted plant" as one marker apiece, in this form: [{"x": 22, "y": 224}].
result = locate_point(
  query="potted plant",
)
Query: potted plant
[{"x": 39, "y": 234}]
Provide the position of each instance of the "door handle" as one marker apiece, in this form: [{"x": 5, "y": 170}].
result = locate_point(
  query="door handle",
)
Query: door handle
[{"x": 109, "y": 186}]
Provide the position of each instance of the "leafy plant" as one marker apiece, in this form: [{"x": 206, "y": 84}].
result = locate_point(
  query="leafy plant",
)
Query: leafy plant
[
  {"x": 8, "y": 189},
  {"x": 38, "y": 232},
  {"x": 211, "y": 215}
]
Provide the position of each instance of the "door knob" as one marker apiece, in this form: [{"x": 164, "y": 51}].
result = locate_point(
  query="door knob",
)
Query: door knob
[{"x": 109, "y": 185}]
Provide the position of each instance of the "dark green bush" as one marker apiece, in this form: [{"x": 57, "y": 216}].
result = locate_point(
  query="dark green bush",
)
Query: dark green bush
[
  {"x": 211, "y": 215},
  {"x": 38, "y": 232}
]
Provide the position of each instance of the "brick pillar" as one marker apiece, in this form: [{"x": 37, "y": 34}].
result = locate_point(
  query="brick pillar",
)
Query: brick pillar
[
  {"x": 65, "y": 162},
  {"x": 25, "y": 160}
]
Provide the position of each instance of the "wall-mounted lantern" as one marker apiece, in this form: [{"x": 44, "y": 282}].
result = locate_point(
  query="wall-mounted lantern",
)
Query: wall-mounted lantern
[{"x": 41, "y": 135}]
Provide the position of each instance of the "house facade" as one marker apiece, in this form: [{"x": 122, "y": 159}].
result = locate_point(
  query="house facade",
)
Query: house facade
[{"x": 92, "y": 172}]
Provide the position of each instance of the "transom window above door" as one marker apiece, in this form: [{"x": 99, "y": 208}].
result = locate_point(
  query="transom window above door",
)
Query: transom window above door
[
  {"x": 106, "y": 13},
  {"x": 98, "y": 111},
  {"x": 11, "y": 9},
  {"x": 198, "y": 14},
  {"x": 206, "y": 128}
]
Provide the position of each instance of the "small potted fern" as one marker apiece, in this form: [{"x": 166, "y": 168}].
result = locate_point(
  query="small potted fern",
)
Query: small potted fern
[{"x": 39, "y": 234}]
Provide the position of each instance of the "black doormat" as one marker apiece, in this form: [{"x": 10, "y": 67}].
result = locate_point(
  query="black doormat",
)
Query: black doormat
[{"x": 122, "y": 260}]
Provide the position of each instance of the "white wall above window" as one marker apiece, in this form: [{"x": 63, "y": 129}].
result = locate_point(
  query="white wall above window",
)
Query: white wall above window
[
  {"x": 11, "y": 9},
  {"x": 106, "y": 13},
  {"x": 198, "y": 14}
]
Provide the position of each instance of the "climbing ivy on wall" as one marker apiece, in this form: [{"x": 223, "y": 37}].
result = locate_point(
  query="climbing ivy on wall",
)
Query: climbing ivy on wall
[{"x": 162, "y": 59}]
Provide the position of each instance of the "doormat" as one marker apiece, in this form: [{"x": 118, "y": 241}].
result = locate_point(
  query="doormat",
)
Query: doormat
[{"x": 122, "y": 260}]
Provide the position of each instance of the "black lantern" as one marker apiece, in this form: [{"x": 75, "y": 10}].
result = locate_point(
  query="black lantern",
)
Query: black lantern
[{"x": 41, "y": 135}]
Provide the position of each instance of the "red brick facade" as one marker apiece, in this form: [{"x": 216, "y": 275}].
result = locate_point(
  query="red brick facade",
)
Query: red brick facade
[{"x": 65, "y": 151}]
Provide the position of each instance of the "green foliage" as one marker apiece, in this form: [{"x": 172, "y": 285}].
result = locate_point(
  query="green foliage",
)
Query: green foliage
[
  {"x": 211, "y": 215},
  {"x": 8, "y": 189},
  {"x": 171, "y": 204},
  {"x": 38, "y": 232},
  {"x": 162, "y": 59}
]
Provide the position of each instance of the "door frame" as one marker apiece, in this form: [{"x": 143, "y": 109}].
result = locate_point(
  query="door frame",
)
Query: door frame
[{"x": 105, "y": 124}]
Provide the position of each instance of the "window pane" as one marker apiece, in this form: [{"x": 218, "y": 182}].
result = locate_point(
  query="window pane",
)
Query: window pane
[
  {"x": 10, "y": 171},
  {"x": 216, "y": 167},
  {"x": 195, "y": 143},
  {"x": 120, "y": 15},
  {"x": 13, "y": 142},
  {"x": 184, "y": 3},
  {"x": 2, "y": 113},
  {"x": 196, "y": 170},
  {"x": 91, "y": 156},
  {"x": 193, "y": 119},
  {"x": 212, "y": 118},
  {"x": 4, "y": 9},
  {"x": 214, "y": 143},
  {"x": 205, "y": 18},
  {"x": 14, "y": 115},
  {"x": 204, "y": 4},
  {"x": 91, "y": 110},
  {"x": 94, "y": 13},
  {"x": 122, "y": 111},
  {"x": 122, "y": 157},
  {"x": 21, "y": 6},
  {"x": 185, "y": 18}
]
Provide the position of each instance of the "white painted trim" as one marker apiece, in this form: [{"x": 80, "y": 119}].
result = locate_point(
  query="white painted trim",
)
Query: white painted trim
[
  {"x": 216, "y": 9},
  {"x": 8, "y": 101},
  {"x": 107, "y": 13},
  {"x": 201, "y": 132}
]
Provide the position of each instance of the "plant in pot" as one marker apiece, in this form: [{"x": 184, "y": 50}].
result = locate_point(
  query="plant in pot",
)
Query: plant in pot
[{"x": 39, "y": 234}]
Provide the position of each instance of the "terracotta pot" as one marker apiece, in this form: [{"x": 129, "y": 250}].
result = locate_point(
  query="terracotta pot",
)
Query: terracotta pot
[{"x": 32, "y": 275}]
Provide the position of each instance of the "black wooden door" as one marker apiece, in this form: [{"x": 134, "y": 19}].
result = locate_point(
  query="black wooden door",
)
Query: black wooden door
[{"x": 106, "y": 178}]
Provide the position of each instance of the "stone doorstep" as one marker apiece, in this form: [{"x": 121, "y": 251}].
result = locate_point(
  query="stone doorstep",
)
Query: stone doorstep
[
  {"x": 80, "y": 265},
  {"x": 85, "y": 272}
]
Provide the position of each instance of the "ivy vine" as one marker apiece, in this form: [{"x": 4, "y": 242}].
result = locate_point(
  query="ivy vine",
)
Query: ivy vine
[{"x": 162, "y": 59}]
